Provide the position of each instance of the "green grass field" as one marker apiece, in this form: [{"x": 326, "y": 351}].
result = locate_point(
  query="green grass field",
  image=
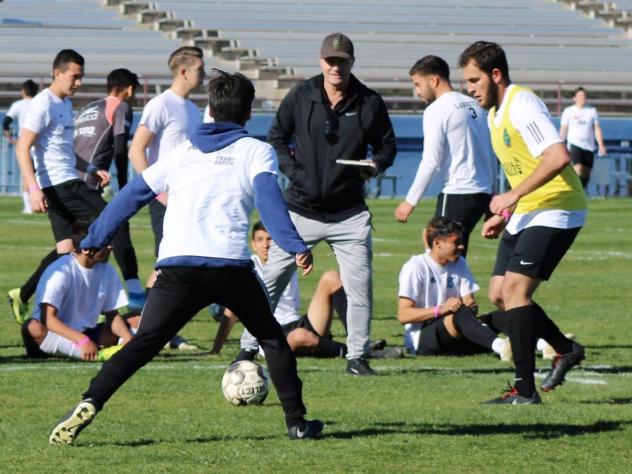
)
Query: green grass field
[{"x": 419, "y": 415}]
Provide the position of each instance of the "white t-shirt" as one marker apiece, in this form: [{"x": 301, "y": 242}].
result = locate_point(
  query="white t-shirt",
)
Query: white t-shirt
[
  {"x": 206, "y": 116},
  {"x": 581, "y": 126},
  {"x": 52, "y": 119},
  {"x": 529, "y": 115},
  {"x": 287, "y": 310},
  {"x": 428, "y": 284},
  {"x": 18, "y": 111},
  {"x": 211, "y": 197},
  {"x": 79, "y": 294},
  {"x": 171, "y": 119},
  {"x": 457, "y": 144}
]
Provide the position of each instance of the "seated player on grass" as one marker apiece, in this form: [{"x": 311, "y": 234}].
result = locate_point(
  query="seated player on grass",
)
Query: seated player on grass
[
  {"x": 308, "y": 334},
  {"x": 436, "y": 301},
  {"x": 73, "y": 292}
]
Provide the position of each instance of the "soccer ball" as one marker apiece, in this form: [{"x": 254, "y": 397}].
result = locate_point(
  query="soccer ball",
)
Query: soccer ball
[{"x": 245, "y": 383}]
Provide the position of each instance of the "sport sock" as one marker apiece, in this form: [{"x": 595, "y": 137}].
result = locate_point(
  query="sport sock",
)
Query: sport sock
[
  {"x": 466, "y": 322},
  {"x": 549, "y": 331},
  {"x": 496, "y": 321},
  {"x": 54, "y": 344},
  {"x": 522, "y": 334},
  {"x": 330, "y": 348}
]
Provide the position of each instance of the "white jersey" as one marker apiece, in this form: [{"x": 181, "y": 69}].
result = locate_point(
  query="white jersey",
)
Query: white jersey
[
  {"x": 287, "y": 310},
  {"x": 172, "y": 119},
  {"x": 52, "y": 119},
  {"x": 457, "y": 145},
  {"x": 529, "y": 115},
  {"x": 211, "y": 197},
  {"x": 18, "y": 111},
  {"x": 206, "y": 116},
  {"x": 581, "y": 126},
  {"x": 78, "y": 293},
  {"x": 428, "y": 284}
]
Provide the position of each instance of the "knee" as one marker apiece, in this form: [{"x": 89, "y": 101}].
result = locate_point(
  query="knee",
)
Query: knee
[
  {"x": 35, "y": 330},
  {"x": 302, "y": 339},
  {"x": 331, "y": 278}
]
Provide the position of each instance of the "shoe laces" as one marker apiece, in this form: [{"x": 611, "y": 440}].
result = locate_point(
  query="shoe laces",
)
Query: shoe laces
[{"x": 509, "y": 392}]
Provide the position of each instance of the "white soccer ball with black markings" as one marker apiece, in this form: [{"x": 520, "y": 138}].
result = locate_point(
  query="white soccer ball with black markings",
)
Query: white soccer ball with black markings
[{"x": 245, "y": 383}]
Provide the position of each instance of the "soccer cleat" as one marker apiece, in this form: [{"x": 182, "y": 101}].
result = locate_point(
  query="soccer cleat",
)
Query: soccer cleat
[
  {"x": 306, "y": 430},
  {"x": 135, "y": 302},
  {"x": 19, "y": 308},
  {"x": 245, "y": 354},
  {"x": 547, "y": 349},
  {"x": 67, "y": 429},
  {"x": 108, "y": 352},
  {"x": 390, "y": 353},
  {"x": 377, "y": 345},
  {"x": 180, "y": 343},
  {"x": 512, "y": 397},
  {"x": 506, "y": 354},
  {"x": 562, "y": 364},
  {"x": 359, "y": 366}
]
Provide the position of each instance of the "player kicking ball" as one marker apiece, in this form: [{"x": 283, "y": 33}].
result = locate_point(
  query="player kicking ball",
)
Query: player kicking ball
[
  {"x": 436, "y": 299},
  {"x": 214, "y": 180}
]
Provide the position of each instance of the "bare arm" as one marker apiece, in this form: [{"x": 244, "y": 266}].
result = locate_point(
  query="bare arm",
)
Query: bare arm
[
  {"x": 407, "y": 312},
  {"x": 564, "y": 131},
  {"x": 54, "y": 324},
  {"x": 25, "y": 142},
  {"x": 223, "y": 331},
  {"x": 599, "y": 138},
  {"x": 142, "y": 139},
  {"x": 119, "y": 328}
]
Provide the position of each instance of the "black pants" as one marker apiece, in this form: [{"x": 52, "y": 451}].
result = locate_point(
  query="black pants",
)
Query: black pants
[
  {"x": 465, "y": 208},
  {"x": 178, "y": 294}
]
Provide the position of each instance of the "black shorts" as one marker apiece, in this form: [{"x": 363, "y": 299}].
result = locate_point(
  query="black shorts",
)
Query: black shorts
[
  {"x": 465, "y": 208},
  {"x": 299, "y": 323},
  {"x": 94, "y": 333},
  {"x": 70, "y": 201},
  {"x": 435, "y": 340},
  {"x": 157, "y": 215},
  {"x": 534, "y": 251},
  {"x": 579, "y": 156}
]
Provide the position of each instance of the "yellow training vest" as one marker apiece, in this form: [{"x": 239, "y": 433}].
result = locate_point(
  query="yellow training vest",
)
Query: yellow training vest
[{"x": 564, "y": 192}]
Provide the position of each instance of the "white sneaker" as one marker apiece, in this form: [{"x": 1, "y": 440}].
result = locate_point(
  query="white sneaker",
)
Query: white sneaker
[{"x": 180, "y": 343}]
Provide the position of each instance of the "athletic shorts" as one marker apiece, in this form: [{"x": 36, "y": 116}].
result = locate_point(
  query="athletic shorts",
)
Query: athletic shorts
[
  {"x": 94, "y": 333},
  {"x": 303, "y": 322},
  {"x": 534, "y": 251},
  {"x": 579, "y": 156},
  {"x": 464, "y": 208},
  {"x": 157, "y": 214},
  {"x": 68, "y": 202},
  {"x": 435, "y": 340}
]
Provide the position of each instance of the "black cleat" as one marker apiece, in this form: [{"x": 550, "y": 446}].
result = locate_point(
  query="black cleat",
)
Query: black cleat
[
  {"x": 512, "y": 397},
  {"x": 562, "y": 364},
  {"x": 67, "y": 429},
  {"x": 377, "y": 345},
  {"x": 306, "y": 430},
  {"x": 359, "y": 366},
  {"x": 390, "y": 353},
  {"x": 245, "y": 354}
]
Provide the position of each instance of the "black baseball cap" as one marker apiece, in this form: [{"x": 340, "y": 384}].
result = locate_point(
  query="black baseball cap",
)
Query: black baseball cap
[{"x": 337, "y": 45}]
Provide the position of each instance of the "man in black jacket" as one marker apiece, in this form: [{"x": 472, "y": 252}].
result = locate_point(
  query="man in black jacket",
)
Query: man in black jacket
[{"x": 330, "y": 117}]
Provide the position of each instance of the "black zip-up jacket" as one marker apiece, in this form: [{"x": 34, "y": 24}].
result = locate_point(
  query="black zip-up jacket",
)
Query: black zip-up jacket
[{"x": 320, "y": 188}]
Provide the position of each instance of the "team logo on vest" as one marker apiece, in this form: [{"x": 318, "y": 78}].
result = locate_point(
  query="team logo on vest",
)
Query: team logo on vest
[{"x": 506, "y": 138}]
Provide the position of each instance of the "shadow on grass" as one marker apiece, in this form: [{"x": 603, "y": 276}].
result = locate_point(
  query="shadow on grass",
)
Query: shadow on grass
[
  {"x": 530, "y": 431},
  {"x": 609, "y": 401},
  {"x": 198, "y": 439},
  {"x": 608, "y": 346}
]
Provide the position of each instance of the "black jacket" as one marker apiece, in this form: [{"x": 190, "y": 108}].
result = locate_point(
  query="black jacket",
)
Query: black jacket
[{"x": 320, "y": 188}]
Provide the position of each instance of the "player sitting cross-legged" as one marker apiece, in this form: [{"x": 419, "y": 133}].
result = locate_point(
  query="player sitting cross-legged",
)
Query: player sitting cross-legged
[{"x": 436, "y": 301}]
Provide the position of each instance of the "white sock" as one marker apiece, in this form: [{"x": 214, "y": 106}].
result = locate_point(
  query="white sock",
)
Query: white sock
[
  {"x": 497, "y": 345},
  {"x": 26, "y": 199},
  {"x": 134, "y": 286},
  {"x": 540, "y": 345},
  {"x": 54, "y": 344}
]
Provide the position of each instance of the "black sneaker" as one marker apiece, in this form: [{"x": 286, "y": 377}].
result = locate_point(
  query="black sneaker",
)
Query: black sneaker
[
  {"x": 359, "y": 366},
  {"x": 512, "y": 397},
  {"x": 390, "y": 353},
  {"x": 562, "y": 364},
  {"x": 245, "y": 354},
  {"x": 377, "y": 345},
  {"x": 67, "y": 429},
  {"x": 306, "y": 430}
]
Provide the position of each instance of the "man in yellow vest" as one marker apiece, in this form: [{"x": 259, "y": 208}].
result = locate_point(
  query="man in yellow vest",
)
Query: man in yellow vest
[{"x": 541, "y": 216}]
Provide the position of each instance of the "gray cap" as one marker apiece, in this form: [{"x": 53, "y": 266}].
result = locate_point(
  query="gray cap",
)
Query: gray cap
[{"x": 337, "y": 45}]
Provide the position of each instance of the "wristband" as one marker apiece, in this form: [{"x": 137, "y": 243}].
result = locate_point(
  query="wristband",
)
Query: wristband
[
  {"x": 506, "y": 214},
  {"x": 435, "y": 311},
  {"x": 33, "y": 188},
  {"x": 82, "y": 342}
]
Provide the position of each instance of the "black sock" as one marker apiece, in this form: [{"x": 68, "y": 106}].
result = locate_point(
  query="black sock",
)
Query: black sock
[
  {"x": 329, "y": 348},
  {"x": 472, "y": 329},
  {"x": 523, "y": 324},
  {"x": 339, "y": 300},
  {"x": 496, "y": 321},
  {"x": 549, "y": 331},
  {"x": 28, "y": 289}
]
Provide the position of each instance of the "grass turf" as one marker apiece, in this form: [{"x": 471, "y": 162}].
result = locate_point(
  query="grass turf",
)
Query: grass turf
[{"x": 420, "y": 414}]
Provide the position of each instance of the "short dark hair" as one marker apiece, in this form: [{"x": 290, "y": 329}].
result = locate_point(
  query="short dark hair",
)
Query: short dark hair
[
  {"x": 257, "y": 226},
  {"x": 66, "y": 56},
  {"x": 488, "y": 56},
  {"x": 230, "y": 97},
  {"x": 579, "y": 89},
  {"x": 30, "y": 88},
  {"x": 431, "y": 65},
  {"x": 79, "y": 231},
  {"x": 121, "y": 79},
  {"x": 441, "y": 227}
]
